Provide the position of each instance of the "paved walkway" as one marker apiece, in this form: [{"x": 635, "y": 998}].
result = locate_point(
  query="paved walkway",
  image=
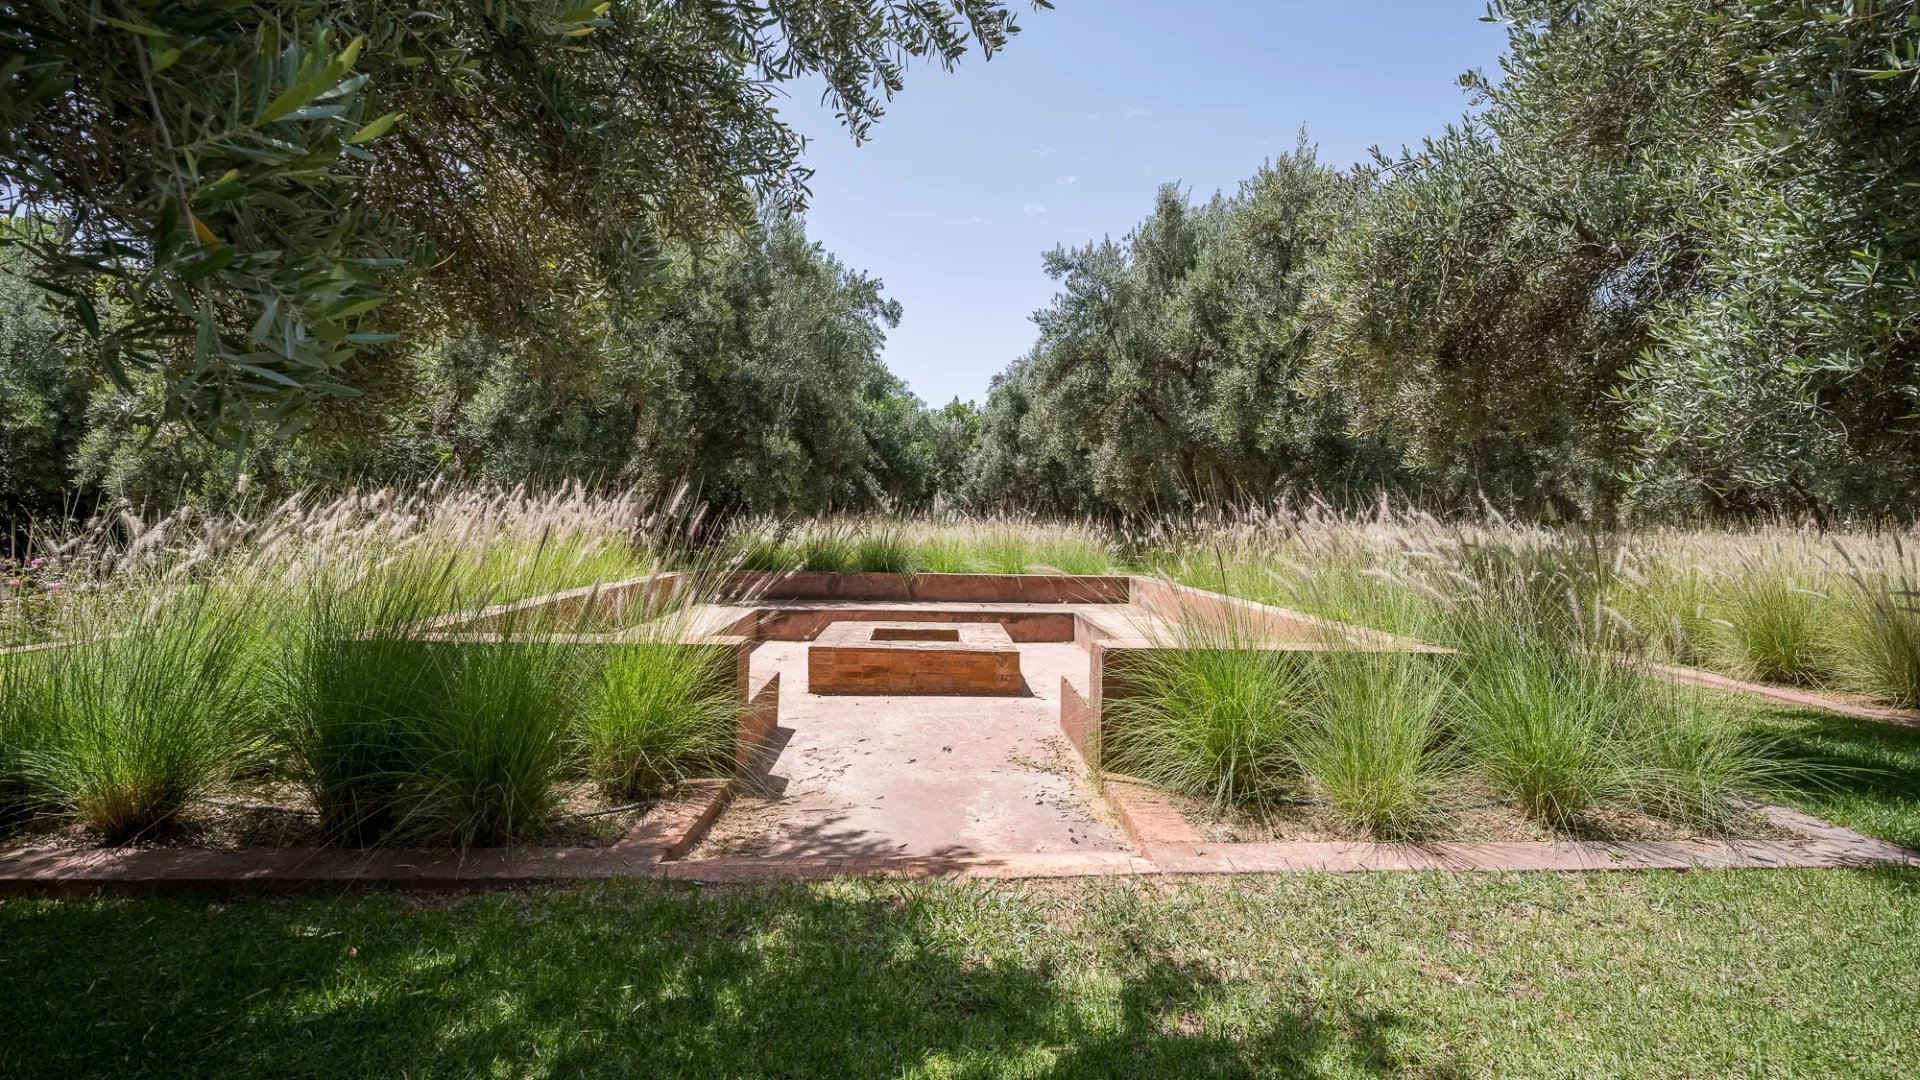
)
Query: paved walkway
[{"x": 880, "y": 777}]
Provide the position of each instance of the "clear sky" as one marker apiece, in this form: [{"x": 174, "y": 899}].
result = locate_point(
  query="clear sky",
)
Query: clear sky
[{"x": 1064, "y": 137}]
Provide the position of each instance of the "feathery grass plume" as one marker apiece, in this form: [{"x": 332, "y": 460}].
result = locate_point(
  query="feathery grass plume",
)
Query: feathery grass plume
[
  {"x": 1666, "y": 598},
  {"x": 1211, "y": 711},
  {"x": 1374, "y": 749},
  {"x": 1880, "y": 651},
  {"x": 146, "y": 719}
]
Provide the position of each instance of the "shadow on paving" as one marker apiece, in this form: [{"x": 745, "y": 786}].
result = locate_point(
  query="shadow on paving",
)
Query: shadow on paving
[{"x": 636, "y": 979}]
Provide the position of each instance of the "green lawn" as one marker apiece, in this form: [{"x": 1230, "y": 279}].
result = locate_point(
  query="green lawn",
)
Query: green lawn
[
  {"x": 1870, "y": 775},
  {"x": 1757, "y": 973}
]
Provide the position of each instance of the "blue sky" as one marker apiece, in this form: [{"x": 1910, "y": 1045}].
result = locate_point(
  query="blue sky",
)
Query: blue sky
[{"x": 1064, "y": 137}]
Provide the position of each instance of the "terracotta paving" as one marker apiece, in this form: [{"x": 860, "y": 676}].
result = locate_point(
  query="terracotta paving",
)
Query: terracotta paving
[{"x": 871, "y": 777}]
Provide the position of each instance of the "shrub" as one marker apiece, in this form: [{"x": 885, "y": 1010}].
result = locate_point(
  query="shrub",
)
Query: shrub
[{"x": 663, "y": 711}]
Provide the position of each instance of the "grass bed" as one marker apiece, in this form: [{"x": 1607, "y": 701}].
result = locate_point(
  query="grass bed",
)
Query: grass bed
[{"x": 1717, "y": 973}]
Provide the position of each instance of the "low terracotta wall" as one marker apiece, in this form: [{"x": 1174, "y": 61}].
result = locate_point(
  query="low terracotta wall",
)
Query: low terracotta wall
[
  {"x": 756, "y": 723},
  {"x": 610, "y": 602},
  {"x": 1171, "y": 600},
  {"x": 749, "y": 585},
  {"x": 1079, "y": 722},
  {"x": 805, "y": 624}
]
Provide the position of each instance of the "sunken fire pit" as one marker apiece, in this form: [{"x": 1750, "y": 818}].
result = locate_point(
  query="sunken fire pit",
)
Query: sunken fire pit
[{"x": 969, "y": 658}]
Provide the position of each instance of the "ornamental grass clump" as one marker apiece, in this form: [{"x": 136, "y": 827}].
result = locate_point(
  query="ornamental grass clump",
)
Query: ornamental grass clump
[
  {"x": 1373, "y": 747},
  {"x": 490, "y": 745},
  {"x": 824, "y": 546},
  {"x": 1685, "y": 759},
  {"x": 1880, "y": 653},
  {"x": 137, "y": 722},
  {"x": 663, "y": 711},
  {"x": 1768, "y": 624},
  {"x": 1540, "y": 723},
  {"x": 398, "y": 728},
  {"x": 355, "y": 686},
  {"x": 24, "y": 708},
  {"x": 1210, "y": 713},
  {"x": 884, "y": 548},
  {"x": 1554, "y": 715}
]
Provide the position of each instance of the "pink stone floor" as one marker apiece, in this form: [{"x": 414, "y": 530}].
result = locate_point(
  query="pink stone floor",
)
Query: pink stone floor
[{"x": 878, "y": 777}]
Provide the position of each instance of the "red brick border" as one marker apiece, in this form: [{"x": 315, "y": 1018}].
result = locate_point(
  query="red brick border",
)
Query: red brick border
[
  {"x": 673, "y": 827},
  {"x": 1148, "y": 816},
  {"x": 668, "y": 831},
  {"x": 1162, "y": 833},
  {"x": 1008, "y": 865}
]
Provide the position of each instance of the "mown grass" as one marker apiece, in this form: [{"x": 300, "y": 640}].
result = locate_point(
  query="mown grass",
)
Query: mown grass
[
  {"x": 1871, "y": 775},
  {"x": 1738, "y": 974}
]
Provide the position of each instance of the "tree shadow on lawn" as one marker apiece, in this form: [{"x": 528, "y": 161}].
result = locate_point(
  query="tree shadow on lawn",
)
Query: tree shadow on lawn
[
  {"x": 1868, "y": 771},
  {"x": 643, "y": 979}
]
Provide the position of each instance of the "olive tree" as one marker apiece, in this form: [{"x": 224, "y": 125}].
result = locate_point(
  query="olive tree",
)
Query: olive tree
[{"x": 243, "y": 196}]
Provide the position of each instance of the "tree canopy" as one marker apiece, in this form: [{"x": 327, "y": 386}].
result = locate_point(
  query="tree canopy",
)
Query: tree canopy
[
  {"x": 243, "y": 197},
  {"x": 1667, "y": 264}
]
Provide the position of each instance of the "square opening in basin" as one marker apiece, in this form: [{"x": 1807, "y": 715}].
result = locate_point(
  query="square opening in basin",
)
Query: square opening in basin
[{"x": 915, "y": 633}]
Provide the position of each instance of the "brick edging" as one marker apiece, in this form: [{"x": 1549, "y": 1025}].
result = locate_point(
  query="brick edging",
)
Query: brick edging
[
  {"x": 1147, "y": 816},
  {"x": 667, "y": 832},
  {"x": 678, "y": 823},
  {"x": 1163, "y": 834}
]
